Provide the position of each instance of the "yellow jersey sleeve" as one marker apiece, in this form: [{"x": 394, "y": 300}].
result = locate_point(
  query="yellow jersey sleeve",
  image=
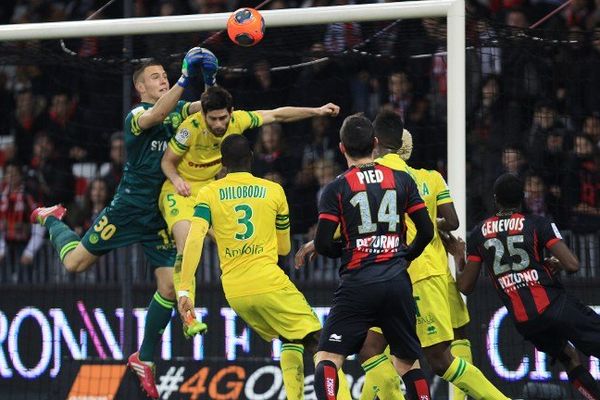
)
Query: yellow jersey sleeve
[
  {"x": 244, "y": 120},
  {"x": 180, "y": 143},
  {"x": 441, "y": 189},
  {"x": 282, "y": 224},
  {"x": 136, "y": 113},
  {"x": 202, "y": 209}
]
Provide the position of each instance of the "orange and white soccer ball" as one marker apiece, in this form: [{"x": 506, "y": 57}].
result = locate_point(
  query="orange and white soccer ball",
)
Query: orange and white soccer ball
[{"x": 246, "y": 27}]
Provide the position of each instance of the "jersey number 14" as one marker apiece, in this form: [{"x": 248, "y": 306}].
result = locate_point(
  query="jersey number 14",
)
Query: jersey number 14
[{"x": 387, "y": 213}]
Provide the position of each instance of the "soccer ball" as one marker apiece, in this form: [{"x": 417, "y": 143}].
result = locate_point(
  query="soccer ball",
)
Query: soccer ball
[{"x": 246, "y": 27}]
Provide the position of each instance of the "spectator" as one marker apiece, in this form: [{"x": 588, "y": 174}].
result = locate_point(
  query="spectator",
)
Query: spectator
[
  {"x": 554, "y": 163},
  {"x": 27, "y": 120},
  {"x": 322, "y": 144},
  {"x": 270, "y": 154},
  {"x": 50, "y": 176},
  {"x": 19, "y": 240},
  {"x": 545, "y": 119},
  {"x": 112, "y": 171},
  {"x": 584, "y": 189},
  {"x": 591, "y": 128},
  {"x": 96, "y": 198},
  {"x": 400, "y": 96},
  {"x": 538, "y": 200}
]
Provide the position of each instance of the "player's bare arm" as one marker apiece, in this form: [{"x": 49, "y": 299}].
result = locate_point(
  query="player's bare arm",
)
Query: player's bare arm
[
  {"x": 448, "y": 219},
  {"x": 169, "y": 164},
  {"x": 467, "y": 272},
  {"x": 306, "y": 250},
  {"x": 291, "y": 114},
  {"x": 565, "y": 258}
]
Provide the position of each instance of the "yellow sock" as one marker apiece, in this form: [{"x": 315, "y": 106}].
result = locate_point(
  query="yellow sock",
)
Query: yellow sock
[
  {"x": 381, "y": 379},
  {"x": 461, "y": 349},
  {"x": 343, "y": 389},
  {"x": 292, "y": 368},
  {"x": 471, "y": 381}
]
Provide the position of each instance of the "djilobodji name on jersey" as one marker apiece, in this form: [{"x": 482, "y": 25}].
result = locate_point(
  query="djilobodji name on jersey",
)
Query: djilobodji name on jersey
[
  {"x": 239, "y": 192},
  {"x": 512, "y": 224},
  {"x": 378, "y": 244},
  {"x": 519, "y": 279},
  {"x": 245, "y": 250}
]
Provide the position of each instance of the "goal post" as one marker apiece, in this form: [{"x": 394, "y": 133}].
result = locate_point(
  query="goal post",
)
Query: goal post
[{"x": 453, "y": 10}]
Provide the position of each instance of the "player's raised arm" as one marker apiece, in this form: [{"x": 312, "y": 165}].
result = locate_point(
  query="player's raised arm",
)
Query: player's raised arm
[
  {"x": 291, "y": 114},
  {"x": 196, "y": 58}
]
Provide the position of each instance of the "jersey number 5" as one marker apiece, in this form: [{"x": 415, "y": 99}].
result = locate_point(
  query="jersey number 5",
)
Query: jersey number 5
[
  {"x": 388, "y": 211},
  {"x": 499, "y": 251},
  {"x": 245, "y": 221}
]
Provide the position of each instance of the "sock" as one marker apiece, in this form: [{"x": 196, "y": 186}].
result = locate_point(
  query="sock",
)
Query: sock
[
  {"x": 584, "y": 383},
  {"x": 471, "y": 381},
  {"x": 461, "y": 349},
  {"x": 157, "y": 318},
  {"x": 416, "y": 384},
  {"x": 326, "y": 380},
  {"x": 292, "y": 368},
  {"x": 63, "y": 239},
  {"x": 381, "y": 379},
  {"x": 343, "y": 392}
]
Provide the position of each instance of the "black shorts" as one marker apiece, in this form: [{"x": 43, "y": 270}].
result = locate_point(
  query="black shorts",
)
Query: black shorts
[
  {"x": 566, "y": 319},
  {"x": 389, "y": 305}
]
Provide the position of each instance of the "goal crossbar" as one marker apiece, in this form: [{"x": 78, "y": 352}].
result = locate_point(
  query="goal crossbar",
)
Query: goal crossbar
[{"x": 453, "y": 10}]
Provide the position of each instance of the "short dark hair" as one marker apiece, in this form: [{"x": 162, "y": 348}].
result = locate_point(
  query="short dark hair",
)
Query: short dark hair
[
  {"x": 509, "y": 191},
  {"x": 236, "y": 153},
  {"x": 357, "y": 136},
  {"x": 142, "y": 67},
  {"x": 388, "y": 127},
  {"x": 216, "y": 98}
]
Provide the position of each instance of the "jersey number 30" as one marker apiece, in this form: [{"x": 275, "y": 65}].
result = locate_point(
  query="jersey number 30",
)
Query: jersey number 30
[{"x": 388, "y": 211}]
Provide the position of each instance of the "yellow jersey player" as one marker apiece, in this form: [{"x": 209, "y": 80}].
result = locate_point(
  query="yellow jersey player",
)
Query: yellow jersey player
[
  {"x": 249, "y": 217},
  {"x": 193, "y": 157}
]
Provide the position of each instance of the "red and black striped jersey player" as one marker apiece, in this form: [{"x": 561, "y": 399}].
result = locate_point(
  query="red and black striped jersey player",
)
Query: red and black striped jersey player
[
  {"x": 511, "y": 244},
  {"x": 369, "y": 201}
]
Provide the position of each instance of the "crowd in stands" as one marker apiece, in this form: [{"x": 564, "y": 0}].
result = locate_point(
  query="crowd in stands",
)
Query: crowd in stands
[{"x": 532, "y": 109}]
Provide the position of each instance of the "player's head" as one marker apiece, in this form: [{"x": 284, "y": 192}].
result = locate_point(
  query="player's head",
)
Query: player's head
[
  {"x": 217, "y": 106},
  {"x": 508, "y": 191},
  {"x": 236, "y": 154},
  {"x": 151, "y": 81},
  {"x": 388, "y": 130},
  {"x": 357, "y": 137}
]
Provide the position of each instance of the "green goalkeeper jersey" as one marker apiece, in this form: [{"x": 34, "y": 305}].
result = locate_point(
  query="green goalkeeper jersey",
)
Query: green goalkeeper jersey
[{"x": 142, "y": 175}]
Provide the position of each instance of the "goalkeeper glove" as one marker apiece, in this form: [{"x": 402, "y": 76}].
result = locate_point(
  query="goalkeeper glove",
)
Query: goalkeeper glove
[{"x": 198, "y": 57}]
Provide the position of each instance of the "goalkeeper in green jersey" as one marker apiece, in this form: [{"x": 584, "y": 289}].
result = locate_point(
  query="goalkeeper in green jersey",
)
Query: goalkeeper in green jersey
[{"x": 133, "y": 215}]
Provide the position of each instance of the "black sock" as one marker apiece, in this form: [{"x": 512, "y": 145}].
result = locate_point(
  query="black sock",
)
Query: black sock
[
  {"x": 416, "y": 385},
  {"x": 584, "y": 383},
  {"x": 326, "y": 380}
]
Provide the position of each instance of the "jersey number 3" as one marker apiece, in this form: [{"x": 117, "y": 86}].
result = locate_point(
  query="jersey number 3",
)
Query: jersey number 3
[
  {"x": 245, "y": 221},
  {"x": 388, "y": 211}
]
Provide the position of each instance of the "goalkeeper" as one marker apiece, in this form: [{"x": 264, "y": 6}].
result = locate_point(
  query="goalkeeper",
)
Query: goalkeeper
[
  {"x": 133, "y": 216},
  {"x": 193, "y": 156}
]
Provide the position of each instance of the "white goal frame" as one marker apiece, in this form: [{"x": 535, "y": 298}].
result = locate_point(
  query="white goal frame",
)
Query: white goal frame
[{"x": 453, "y": 10}]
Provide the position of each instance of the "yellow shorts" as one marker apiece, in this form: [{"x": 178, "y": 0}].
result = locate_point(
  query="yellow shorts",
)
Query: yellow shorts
[
  {"x": 283, "y": 313},
  {"x": 174, "y": 207},
  {"x": 434, "y": 324},
  {"x": 458, "y": 308}
]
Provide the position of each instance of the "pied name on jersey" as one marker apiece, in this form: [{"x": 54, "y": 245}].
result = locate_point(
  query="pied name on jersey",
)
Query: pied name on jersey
[
  {"x": 158, "y": 145},
  {"x": 502, "y": 225},
  {"x": 370, "y": 176},
  {"x": 377, "y": 244},
  {"x": 517, "y": 280}
]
